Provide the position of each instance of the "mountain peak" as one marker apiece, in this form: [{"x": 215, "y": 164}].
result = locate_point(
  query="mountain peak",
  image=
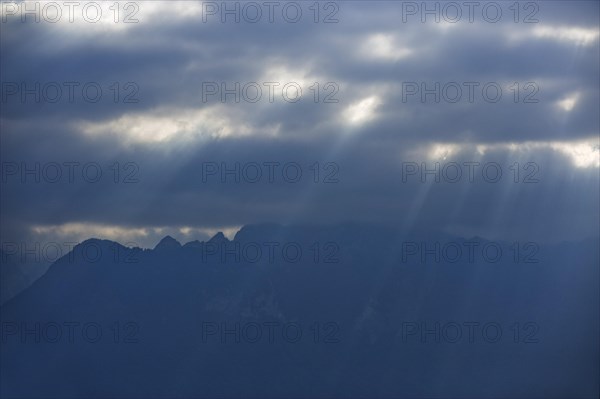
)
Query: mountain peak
[
  {"x": 193, "y": 244},
  {"x": 167, "y": 243},
  {"x": 219, "y": 238}
]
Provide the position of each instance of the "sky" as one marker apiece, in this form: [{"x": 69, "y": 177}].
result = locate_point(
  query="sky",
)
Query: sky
[{"x": 149, "y": 118}]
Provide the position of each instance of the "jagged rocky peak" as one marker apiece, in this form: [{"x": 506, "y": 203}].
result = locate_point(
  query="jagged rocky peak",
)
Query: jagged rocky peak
[
  {"x": 219, "y": 238},
  {"x": 193, "y": 244},
  {"x": 167, "y": 243},
  {"x": 99, "y": 244}
]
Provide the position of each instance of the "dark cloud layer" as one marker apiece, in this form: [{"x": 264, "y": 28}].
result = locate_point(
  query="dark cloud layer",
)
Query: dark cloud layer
[{"x": 371, "y": 56}]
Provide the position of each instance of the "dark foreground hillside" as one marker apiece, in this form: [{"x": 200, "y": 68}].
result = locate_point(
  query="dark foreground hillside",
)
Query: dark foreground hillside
[{"x": 349, "y": 311}]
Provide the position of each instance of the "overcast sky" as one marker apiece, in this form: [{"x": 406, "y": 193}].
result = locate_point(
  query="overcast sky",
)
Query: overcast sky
[{"x": 393, "y": 93}]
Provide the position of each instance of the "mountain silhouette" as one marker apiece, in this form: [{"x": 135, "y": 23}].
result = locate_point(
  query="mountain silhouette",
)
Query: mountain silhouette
[
  {"x": 168, "y": 243},
  {"x": 218, "y": 238},
  {"x": 222, "y": 318},
  {"x": 19, "y": 272}
]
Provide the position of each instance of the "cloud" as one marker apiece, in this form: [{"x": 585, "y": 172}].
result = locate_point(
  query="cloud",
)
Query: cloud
[
  {"x": 179, "y": 125},
  {"x": 575, "y": 35},
  {"x": 362, "y": 111},
  {"x": 145, "y": 237},
  {"x": 547, "y": 114}
]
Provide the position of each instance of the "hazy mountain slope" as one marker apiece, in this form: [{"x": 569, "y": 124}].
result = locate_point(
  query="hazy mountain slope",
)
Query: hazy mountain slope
[{"x": 360, "y": 315}]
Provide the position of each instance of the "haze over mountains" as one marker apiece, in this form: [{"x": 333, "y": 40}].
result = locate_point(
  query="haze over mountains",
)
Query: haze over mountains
[
  {"x": 18, "y": 273},
  {"x": 388, "y": 141},
  {"x": 342, "y": 311}
]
